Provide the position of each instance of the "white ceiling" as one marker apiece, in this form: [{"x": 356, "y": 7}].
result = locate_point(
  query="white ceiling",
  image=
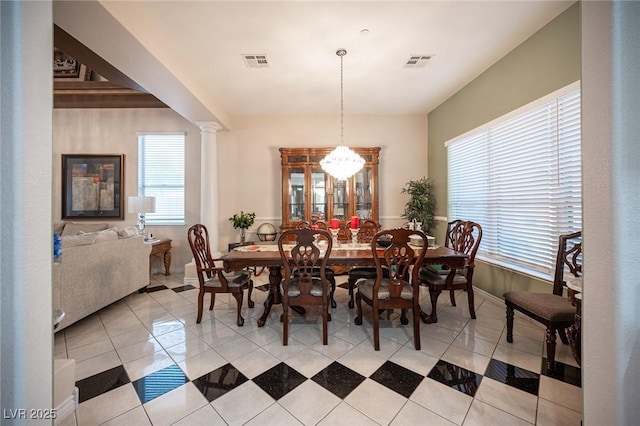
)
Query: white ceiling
[{"x": 201, "y": 42}]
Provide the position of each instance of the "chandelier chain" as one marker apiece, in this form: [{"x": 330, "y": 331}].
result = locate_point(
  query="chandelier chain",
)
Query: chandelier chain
[{"x": 342, "y": 99}]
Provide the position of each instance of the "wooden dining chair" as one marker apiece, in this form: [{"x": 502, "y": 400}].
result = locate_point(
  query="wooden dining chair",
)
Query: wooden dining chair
[
  {"x": 393, "y": 292},
  {"x": 329, "y": 272},
  {"x": 305, "y": 282},
  {"x": 214, "y": 279},
  {"x": 368, "y": 229},
  {"x": 448, "y": 236},
  {"x": 465, "y": 237},
  {"x": 551, "y": 309}
]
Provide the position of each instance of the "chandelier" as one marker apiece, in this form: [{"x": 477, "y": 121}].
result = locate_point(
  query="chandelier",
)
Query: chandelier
[{"x": 342, "y": 162}]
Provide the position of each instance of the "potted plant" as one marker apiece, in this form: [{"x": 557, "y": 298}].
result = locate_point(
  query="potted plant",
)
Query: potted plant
[
  {"x": 421, "y": 206},
  {"x": 243, "y": 221}
]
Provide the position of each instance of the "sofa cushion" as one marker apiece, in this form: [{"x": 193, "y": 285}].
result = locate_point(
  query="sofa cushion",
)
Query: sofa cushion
[
  {"x": 107, "y": 235},
  {"x": 128, "y": 232},
  {"x": 78, "y": 240},
  {"x": 74, "y": 228}
]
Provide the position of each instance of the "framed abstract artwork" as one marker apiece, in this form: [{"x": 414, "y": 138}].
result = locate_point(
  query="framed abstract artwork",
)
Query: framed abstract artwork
[{"x": 92, "y": 186}]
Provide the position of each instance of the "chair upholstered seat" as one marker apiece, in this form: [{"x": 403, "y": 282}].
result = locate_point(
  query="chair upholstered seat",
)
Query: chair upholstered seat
[
  {"x": 330, "y": 275},
  {"x": 545, "y": 305},
  {"x": 235, "y": 279},
  {"x": 366, "y": 273},
  {"x": 366, "y": 288},
  {"x": 436, "y": 278},
  {"x": 294, "y": 287}
]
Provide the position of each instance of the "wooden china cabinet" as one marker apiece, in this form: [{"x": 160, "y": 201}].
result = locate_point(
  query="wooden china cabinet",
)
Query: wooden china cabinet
[{"x": 309, "y": 193}]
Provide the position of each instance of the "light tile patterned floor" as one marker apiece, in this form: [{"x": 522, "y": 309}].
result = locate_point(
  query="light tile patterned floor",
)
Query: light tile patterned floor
[{"x": 144, "y": 360}]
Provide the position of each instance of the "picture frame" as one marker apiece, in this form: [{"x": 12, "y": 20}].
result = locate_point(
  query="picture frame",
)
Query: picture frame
[
  {"x": 67, "y": 68},
  {"x": 92, "y": 186}
]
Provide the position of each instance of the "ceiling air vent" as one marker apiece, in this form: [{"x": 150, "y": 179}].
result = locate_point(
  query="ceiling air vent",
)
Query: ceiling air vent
[
  {"x": 256, "y": 61},
  {"x": 417, "y": 61}
]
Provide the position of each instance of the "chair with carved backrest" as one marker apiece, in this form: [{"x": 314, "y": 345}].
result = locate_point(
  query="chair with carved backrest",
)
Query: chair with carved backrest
[
  {"x": 330, "y": 273},
  {"x": 451, "y": 226},
  {"x": 462, "y": 236},
  {"x": 368, "y": 229},
  {"x": 305, "y": 282},
  {"x": 551, "y": 309},
  {"x": 213, "y": 279},
  {"x": 394, "y": 292}
]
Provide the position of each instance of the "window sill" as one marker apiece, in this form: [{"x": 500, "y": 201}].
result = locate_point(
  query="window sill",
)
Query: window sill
[
  {"x": 517, "y": 269},
  {"x": 168, "y": 223}
]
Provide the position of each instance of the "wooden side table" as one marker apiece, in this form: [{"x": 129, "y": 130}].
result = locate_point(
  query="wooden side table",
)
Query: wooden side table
[{"x": 161, "y": 248}]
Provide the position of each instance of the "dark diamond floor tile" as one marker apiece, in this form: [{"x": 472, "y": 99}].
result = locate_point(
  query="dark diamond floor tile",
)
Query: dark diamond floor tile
[
  {"x": 183, "y": 288},
  {"x": 102, "y": 382},
  {"x": 155, "y": 288},
  {"x": 159, "y": 383},
  {"x": 338, "y": 379},
  {"x": 564, "y": 372},
  {"x": 219, "y": 381},
  {"x": 264, "y": 287},
  {"x": 511, "y": 375},
  {"x": 279, "y": 380},
  {"x": 456, "y": 377},
  {"x": 344, "y": 285},
  {"x": 397, "y": 378}
]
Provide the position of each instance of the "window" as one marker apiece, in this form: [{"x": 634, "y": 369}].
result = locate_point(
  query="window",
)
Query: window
[
  {"x": 520, "y": 178},
  {"x": 161, "y": 175}
]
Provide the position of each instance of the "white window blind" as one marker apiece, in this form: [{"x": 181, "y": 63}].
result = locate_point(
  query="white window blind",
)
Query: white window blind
[
  {"x": 520, "y": 179},
  {"x": 161, "y": 174}
]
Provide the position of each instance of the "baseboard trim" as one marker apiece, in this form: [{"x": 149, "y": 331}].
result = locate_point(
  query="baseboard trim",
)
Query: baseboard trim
[
  {"x": 191, "y": 281},
  {"x": 495, "y": 299},
  {"x": 67, "y": 407}
]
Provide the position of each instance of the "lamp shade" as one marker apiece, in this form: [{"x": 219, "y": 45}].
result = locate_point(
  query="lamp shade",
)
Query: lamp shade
[{"x": 142, "y": 204}]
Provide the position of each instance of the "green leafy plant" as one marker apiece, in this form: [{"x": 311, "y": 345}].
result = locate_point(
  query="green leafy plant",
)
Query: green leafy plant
[
  {"x": 243, "y": 221},
  {"x": 422, "y": 203}
]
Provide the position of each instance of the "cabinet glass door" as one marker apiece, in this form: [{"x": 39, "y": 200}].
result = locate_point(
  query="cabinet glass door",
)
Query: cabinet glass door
[
  {"x": 297, "y": 193},
  {"x": 341, "y": 199},
  {"x": 318, "y": 194},
  {"x": 363, "y": 196}
]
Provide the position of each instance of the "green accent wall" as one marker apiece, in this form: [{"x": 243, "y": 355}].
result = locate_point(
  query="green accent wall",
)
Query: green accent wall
[{"x": 544, "y": 63}]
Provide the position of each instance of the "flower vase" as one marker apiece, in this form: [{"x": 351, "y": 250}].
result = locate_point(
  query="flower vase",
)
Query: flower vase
[{"x": 242, "y": 235}]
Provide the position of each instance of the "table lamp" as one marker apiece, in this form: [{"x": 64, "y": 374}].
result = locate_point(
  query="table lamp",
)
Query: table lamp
[{"x": 142, "y": 206}]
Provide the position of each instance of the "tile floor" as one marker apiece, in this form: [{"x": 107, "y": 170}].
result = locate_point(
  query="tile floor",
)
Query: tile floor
[{"x": 144, "y": 360}]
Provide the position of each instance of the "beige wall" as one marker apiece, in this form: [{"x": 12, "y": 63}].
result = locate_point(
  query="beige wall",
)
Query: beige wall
[
  {"x": 113, "y": 131},
  {"x": 547, "y": 61},
  {"x": 249, "y": 160}
]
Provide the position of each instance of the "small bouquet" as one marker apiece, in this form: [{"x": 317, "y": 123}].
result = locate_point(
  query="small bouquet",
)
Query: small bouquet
[{"x": 242, "y": 221}]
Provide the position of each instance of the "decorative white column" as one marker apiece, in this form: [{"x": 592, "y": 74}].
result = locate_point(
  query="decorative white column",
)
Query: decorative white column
[
  {"x": 209, "y": 179},
  {"x": 208, "y": 189}
]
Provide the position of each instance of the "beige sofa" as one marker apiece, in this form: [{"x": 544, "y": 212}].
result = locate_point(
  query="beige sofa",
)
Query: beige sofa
[{"x": 96, "y": 269}]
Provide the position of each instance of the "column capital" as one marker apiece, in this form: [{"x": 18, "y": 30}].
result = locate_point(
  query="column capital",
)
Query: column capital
[{"x": 208, "y": 126}]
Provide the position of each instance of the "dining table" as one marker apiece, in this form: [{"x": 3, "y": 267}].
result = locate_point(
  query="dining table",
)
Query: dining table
[{"x": 266, "y": 254}]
